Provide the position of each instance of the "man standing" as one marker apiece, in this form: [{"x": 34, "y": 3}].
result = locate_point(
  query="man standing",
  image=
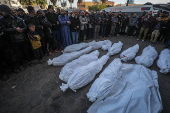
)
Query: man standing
[
  {"x": 13, "y": 28},
  {"x": 145, "y": 28},
  {"x": 52, "y": 17},
  {"x": 75, "y": 27},
  {"x": 83, "y": 26},
  {"x": 132, "y": 25},
  {"x": 97, "y": 24},
  {"x": 65, "y": 29},
  {"x": 33, "y": 19}
]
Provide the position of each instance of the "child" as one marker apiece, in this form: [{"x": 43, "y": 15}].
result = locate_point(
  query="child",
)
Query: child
[
  {"x": 35, "y": 42},
  {"x": 156, "y": 32}
]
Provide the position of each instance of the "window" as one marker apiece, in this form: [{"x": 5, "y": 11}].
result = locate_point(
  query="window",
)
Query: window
[{"x": 162, "y": 6}]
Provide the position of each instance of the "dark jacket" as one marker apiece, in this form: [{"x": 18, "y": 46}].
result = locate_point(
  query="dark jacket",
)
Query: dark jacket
[
  {"x": 24, "y": 16},
  {"x": 53, "y": 18},
  {"x": 146, "y": 22},
  {"x": 46, "y": 26},
  {"x": 125, "y": 20},
  {"x": 35, "y": 20},
  {"x": 133, "y": 21},
  {"x": 9, "y": 26},
  {"x": 105, "y": 19},
  {"x": 92, "y": 20},
  {"x": 98, "y": 19},
  {"x": 74, "y": 23},
  {"x": 1, "y": 38},
  {"x": 158, "y": 25}
]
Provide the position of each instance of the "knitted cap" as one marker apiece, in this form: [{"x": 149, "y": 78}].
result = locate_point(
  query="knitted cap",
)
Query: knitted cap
[
  {"x": 30, "y": 9},
  {"x": 20, "y": 9},
  {"x": 5, "y": 9}
]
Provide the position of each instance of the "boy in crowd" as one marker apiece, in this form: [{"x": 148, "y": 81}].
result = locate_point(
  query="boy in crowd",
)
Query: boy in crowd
[{"x": 35, "y": 42}]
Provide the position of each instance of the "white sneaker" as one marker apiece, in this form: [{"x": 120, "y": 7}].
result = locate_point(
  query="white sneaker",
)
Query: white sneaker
[
  {"x": 143, "y": 40},
  {"x": 138, "y": 39}
]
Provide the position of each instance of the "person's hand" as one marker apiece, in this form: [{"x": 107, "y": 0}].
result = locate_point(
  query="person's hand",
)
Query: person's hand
[
  {"x": 19, "y": 29},
  {"x": 68, "y": 22},
  {"x": 77, "y": 26},
  {"x": 58, "y": 23}
]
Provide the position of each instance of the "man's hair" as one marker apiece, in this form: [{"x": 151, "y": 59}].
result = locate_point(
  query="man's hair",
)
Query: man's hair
[
  {"x": 49, "y": 7},
  {"x": 30, "y": 25}
]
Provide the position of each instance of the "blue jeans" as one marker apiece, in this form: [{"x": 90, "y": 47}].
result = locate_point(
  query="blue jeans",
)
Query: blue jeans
[
  {"x": 75, "y": 36},
  {"x": 103, "y": 30},
  {"x": 56, "y": 35}
]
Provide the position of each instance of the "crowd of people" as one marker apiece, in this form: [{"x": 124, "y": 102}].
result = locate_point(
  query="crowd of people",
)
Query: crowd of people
[{"x": 33, "y": 35}]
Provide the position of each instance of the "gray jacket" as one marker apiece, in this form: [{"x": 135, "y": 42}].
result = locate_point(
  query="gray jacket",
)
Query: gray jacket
[
  {"x": 114, "y": 21},
  {"x": 83, "y": 22},
  {"x": 133, "y": 21},
  {"x": 98, "y": 19}
]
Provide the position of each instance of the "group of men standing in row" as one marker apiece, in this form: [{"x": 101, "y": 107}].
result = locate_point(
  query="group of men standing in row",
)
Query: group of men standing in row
[{"x": 26, "y": 36}]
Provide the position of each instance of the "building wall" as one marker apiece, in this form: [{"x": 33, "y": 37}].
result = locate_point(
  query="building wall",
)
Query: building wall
[
  {"x": 118, "y": 5},
  {"x": 85, "y": 5}
]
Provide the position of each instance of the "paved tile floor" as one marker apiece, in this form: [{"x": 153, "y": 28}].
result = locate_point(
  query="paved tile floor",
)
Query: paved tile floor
[{"x": 36, "y": 90}]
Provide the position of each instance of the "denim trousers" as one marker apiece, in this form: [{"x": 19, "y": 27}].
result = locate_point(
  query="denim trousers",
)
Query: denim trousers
[{"x": 75, "y": 36}]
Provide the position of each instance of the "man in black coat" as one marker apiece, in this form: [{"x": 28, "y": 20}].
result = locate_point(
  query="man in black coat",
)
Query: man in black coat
[
  {"x": 13, "y": 28},
  {"x": 52, "y": 17}
]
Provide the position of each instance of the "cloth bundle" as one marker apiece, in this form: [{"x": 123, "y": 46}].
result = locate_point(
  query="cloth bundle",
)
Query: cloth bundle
[
  {"x": 75, "y": 47},
  {"x": 107, "y": 79},
  {"x": 97, "y": 45},
  {"x": 136, "y": 91},
  {"x": 149, "y": 54},
  {"x": 85, "y": 74},
  {"x": 107, "y": 46},
  {"x": 83, "y": 60},
  {"x": 67, "y": 57},
  {"x": 164, "y": 61},
  {"x": 130, "y": 53},
  {"x": 116, "y": 48}
]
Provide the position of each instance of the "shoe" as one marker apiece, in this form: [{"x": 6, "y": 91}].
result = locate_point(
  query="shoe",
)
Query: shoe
[
  {"x": 165, "y": 47},
  {"x": 143, "y": 40},
  {"x": 55, "y": 51},
  {"x": 49, "y": 53},
  {"x": 137, "y": 39}
]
